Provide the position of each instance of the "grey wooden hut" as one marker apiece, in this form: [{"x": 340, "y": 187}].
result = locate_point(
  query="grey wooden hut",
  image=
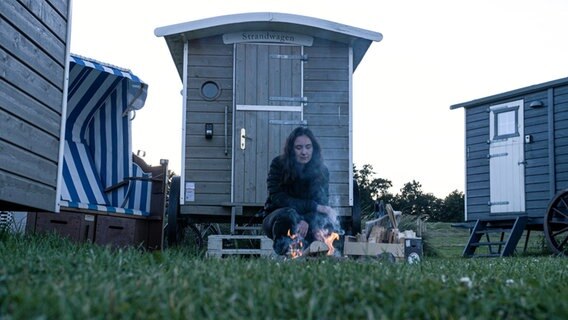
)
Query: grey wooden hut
[
  {"x": 248, "y": 80},
  {"x": 34, "y": 44},
  {"x": 516, "y": 172}
]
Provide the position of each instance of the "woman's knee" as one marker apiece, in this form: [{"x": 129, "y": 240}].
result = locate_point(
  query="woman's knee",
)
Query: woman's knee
[{"x": 280, "y": 221}]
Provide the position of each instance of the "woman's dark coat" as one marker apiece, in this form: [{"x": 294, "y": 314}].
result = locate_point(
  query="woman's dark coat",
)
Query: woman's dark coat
[{"x": 310, "y": 189}]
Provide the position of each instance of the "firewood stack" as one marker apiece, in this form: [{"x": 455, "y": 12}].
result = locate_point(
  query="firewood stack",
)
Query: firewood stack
[
  {"x": 384, "y": 229},
  {"x": 382, "y": 236}
]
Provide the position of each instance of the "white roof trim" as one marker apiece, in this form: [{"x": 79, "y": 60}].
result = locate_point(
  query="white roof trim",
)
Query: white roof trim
[{"x": 267, "y": 17}]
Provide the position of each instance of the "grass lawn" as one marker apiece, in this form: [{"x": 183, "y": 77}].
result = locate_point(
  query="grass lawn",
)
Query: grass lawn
[
  {"x": 48, "y": 277},
  {"x": 449, "y": 242}
]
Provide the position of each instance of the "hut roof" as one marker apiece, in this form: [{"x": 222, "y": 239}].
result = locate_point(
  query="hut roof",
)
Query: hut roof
[
  {"x": 510, "y": 94},
  {"x": 175, "y": 35}
]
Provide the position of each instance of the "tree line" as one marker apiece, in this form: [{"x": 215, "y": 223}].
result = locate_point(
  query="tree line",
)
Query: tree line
[{"x": 411, "y": 200}]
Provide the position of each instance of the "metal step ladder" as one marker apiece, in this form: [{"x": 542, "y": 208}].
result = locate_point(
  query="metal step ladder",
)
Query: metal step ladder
[{"x": 495, "y": 238}]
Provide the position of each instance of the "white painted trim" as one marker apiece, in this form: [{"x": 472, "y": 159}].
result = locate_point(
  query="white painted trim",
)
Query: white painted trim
[
  {"x": 244, "y": 107},
  {"x": 466, "y": 153},
  {"x": 183, "y": 119},
  {"x": 350, "y": 169},
  {"x": 233, "y": 116},
  {"x": 302, "y": 83},
  {"x": 63, "y": 110},
  {"x": 228, "y": 22}
]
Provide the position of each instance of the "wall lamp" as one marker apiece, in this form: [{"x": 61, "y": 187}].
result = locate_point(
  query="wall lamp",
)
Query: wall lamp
[{"x": 536, "y": 104}]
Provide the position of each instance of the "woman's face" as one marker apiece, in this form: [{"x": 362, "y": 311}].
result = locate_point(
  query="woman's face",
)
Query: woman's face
[{"x": 303, "y": 149}]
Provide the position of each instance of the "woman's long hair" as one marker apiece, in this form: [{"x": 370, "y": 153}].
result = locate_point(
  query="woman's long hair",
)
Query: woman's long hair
[{"x": 291, "y": 166}]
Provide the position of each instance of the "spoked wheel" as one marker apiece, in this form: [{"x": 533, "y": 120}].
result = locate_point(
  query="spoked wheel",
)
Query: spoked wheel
[
  {"x": 194, "y": 235},
  {"x": 556, "y": 223},
  {"x": 356, "y": 212},
  {"x": 179, "y": 230},
  {"x": 173, "y": 212},
  {"x": 204, "y": 230}
]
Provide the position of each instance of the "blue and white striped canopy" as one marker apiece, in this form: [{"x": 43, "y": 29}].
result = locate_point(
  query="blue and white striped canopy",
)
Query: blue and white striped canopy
[{"x": 98, "y": 150}]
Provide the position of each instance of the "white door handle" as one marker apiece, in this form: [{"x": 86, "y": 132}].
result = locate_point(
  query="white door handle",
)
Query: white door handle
[{"x": 243, "y": 138}]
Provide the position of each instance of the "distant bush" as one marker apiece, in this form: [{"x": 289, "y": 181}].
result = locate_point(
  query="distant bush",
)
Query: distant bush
[{"x": 411, "y": 200}]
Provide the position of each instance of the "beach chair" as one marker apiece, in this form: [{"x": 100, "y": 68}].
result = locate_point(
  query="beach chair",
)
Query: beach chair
[{"x": 101, "y": 176}]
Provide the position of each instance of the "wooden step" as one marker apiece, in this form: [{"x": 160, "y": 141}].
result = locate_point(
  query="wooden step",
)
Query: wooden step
[
  {"x": 498, "y": 243},
  {"x": 510, "y": 230},
  {"x": 487, "y": 255},
  {"x": 228, "y": 245},
  {"x": 495, "y": 230}
]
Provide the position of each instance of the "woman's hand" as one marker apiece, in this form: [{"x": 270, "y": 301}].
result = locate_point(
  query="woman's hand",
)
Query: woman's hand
[
  {"x": 326, "y": 209},
  {"x": 302, "y": 229}
]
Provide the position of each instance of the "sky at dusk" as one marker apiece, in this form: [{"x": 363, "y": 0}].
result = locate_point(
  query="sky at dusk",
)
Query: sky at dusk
[{"x": 433, "y": 54}]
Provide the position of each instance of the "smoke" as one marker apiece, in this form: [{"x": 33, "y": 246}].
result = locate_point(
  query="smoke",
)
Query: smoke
[
  {"x": 282, "y": 245},
  {"x": 329, "y": 222}
]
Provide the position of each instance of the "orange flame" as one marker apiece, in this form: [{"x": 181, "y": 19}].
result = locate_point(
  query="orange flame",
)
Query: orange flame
[
  {"x": 328, "y": 239},
  {"x": 296, "y": 247},
  {"x": 329, "y": 242}
]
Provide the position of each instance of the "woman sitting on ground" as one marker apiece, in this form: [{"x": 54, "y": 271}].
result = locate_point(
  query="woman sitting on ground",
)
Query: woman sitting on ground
[{"x": 298, "y": 193}]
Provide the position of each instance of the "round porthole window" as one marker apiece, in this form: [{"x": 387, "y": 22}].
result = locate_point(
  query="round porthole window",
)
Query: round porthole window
[{"x": 210, "y": 90}]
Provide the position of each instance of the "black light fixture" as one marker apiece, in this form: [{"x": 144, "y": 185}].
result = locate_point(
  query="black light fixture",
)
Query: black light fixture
[
  {"x": 208, "y": 131},
  {"x": 536, "y": 104}
]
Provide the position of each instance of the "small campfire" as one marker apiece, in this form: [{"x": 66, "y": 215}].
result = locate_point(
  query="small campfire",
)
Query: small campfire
[
  {"x": 328, "y": 240},
  {"x": 296, "y": 246},
  {"x": 322, "y": 245}
]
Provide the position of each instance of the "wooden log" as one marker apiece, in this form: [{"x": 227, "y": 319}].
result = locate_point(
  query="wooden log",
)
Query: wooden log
[
  {"x": 392, "y": 218},
  {"x": 316, "y": 248},
  {"x": 377, "y": 234},
  {"x": 370, "y": 224}
]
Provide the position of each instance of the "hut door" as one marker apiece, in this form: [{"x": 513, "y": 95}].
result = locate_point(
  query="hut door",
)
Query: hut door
[
  {"x": 506, "y": 158},
  {"x": 268, "y": 105}
]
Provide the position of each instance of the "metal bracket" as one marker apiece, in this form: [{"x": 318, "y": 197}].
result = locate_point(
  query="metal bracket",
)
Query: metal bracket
[
  {"x": 302, "y": 57},
  {"x": 289, "y": 99},
  {"x": 496, "y": 155},
  {"x": 498, "y": 203}
]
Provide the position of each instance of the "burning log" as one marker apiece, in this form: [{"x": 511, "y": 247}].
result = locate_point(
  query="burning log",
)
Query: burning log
[
  {"x": 316, "y": 248},
  {"x": 327, "y": 238},
  {"x": 296, "y": 246},
  {"x": 320, "y": 247}
]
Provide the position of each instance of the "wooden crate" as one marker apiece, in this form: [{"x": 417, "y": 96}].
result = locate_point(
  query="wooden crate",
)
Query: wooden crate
[
  {"x": 226, "y": 245},
  {"x": 407, "y": 249},
  {"x": 76, "y": 226},
  {"x": 351, "y": 247},
  {"x": 123, "y": 231}
]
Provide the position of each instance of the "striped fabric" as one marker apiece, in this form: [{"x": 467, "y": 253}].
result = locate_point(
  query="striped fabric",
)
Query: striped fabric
[
  {"x": 81, "y": 182},
  {"x": 98, "y": 151},
  {"x": 72, "y": 204},
  {"x": 108, "y": 136},
  {"x": 140, "y": 191},
  {"x": 6, "y": 219}
]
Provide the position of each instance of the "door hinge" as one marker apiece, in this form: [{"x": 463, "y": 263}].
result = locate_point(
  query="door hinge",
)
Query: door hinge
[
  {"x": 303, "y": 57},
  {"x": 289, "y": 99},
  {"x": 504, "y": 154},
  {"x": 289, "y": 122},
  {"x": 498, "y": 203}
]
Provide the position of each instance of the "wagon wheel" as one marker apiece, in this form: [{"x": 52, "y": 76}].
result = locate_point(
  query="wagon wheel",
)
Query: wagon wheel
[
  {"x": 173, "y": 212},
  {"x": 179, "y": 230},
  {"x": 204, "y": 230},
  {"x": 356, "y": 212},
  {"x": 556, "y": 223},
  {"x": 191, "y": 235}
]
